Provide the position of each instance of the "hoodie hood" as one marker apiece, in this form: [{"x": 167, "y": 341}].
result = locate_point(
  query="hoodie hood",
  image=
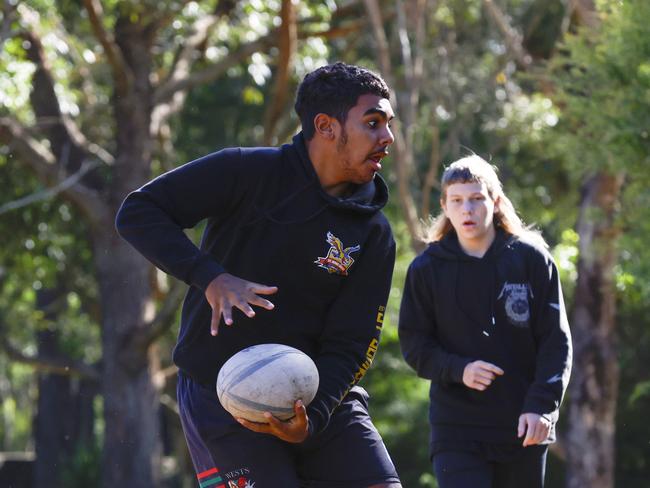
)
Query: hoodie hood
[
  {"x": 367, "y": 198},
  {"x": 448, "y": 248}
]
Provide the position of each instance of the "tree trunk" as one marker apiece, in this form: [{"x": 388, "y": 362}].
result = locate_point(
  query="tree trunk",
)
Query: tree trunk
[
  {"x": 63, "y": 426},
  {"x": 64, "y": 418},
  {"x": 131, "y": 454},
  {"x": 594, "y": 384}
]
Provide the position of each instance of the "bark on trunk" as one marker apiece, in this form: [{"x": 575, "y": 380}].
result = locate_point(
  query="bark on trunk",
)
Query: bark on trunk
[
  {"x": 131, "y": 454},
  {"x": 64, "y": 420},
  {"x": 594, "y": 384}
]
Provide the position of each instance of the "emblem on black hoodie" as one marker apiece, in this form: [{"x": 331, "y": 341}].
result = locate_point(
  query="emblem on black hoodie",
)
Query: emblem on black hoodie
[
  {"x": 338, "y": 259},
  {"x": 516, "y": 306}
]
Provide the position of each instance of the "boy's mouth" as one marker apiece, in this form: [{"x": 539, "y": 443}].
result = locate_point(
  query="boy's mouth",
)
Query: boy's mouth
[{"x": 375, "y": 159}]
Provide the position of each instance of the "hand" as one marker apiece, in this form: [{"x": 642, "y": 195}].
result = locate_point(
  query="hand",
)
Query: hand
[
  {"x": 478, "y": 375},
  {"x": 294, "y": 430},
  {"x": 535, "y": 427},
  {"x": 227, "y": 291}
]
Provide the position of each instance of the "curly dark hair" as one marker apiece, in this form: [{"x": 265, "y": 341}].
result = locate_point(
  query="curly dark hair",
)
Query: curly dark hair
[{"x": 333, "y": 90}]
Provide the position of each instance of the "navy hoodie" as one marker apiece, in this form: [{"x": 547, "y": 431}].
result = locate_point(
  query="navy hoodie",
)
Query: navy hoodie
[
  {"x": 269, "y": 221},
  {"x": 505, "y": 308}
]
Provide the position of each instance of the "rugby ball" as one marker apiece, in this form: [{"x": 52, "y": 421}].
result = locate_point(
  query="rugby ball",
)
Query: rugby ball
[{"x": 266, "y": 378}]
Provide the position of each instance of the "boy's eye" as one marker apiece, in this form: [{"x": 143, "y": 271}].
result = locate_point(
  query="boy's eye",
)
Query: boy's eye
[{"x": 372, "y": 124}]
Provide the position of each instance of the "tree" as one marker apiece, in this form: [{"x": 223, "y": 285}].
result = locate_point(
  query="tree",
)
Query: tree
[
  {"x": 97, "y": 126},
  {"x": 603, "y": 82}
]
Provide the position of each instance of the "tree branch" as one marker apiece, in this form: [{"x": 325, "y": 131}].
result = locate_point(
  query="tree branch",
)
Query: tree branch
[
  {"x": 67, "y": 142},
  {"x": 188, "y": 52},
  {"x": 408, "y": 67},
  {"x": 39, "y": 157},
  {"x": 79, "y": 138},
  {"x": 44, "y": 164},
  {"x": 164, "y": 319},
  {"x": 584, "y": 12},
  {"x": 61, "y": 129},
  {"x": 161, "y": 376},
  {"x": 166, "y": 16},
  {"x": 164, "y": 93},
  {"x": 54, "y": 365},
  {"x": 181, "y": 70},
  {"x": 511, "y": 37},
  {"x": 430, "y": 178},
  {"x": 8, "y": 17},
  {"x": 333, "y": 32},
  {"x": 60, "y": 366},
  {"x": 167, "y": 100},
  {"x": 383, "y": 53},
  {"x": 287, "y": 45},
  {"x": 170, "y": 403},
  {"x": 49, "y": 192},
  {"x": 121, "y": 72}
]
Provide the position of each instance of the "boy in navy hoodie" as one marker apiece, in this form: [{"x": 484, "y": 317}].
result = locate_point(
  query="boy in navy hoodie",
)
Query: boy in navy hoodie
[
  {"x": 483, "y": 318},
  {"x": 296, "y": 251}
]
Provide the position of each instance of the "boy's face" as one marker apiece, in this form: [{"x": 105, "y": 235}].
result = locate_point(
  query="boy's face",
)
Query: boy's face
[
  {"x": 364, "y": 139},
  {"x": 470, "y": 209}
]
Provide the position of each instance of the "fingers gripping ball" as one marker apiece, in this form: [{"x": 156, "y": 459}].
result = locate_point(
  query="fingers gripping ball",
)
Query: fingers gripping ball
[{"x": 266, "y": 378}]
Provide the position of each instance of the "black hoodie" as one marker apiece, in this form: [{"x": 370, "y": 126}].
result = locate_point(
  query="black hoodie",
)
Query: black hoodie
[
  {"x": 270, "y": 222},
  {"x": 505, "y": 308}
]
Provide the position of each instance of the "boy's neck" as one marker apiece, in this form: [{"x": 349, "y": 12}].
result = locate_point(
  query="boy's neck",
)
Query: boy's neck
[{"x": 477, "y": 247}]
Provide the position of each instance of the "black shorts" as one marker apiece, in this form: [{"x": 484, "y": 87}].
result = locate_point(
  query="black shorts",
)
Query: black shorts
[{"x": 349, "y": 453}]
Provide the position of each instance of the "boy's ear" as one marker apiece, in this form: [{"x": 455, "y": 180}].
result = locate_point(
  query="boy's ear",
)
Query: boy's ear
[
  {"x": 443, "y": 205},
  {"x": 325, "y": 126}
]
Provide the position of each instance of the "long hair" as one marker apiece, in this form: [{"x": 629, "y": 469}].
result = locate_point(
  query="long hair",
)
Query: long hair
[{"x": 474, "y": 169}]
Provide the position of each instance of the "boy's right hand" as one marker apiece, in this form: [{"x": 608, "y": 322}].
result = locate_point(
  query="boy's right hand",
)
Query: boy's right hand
[
  {"x": 478, "y": 375},
  {"x": 227, "y": 291}
]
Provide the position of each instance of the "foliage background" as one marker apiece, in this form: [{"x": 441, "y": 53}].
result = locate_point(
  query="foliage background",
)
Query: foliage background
[{"x": 579, "y": 103}]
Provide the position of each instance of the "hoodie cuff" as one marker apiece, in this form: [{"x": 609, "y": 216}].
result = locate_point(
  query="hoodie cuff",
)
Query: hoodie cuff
[
  {"x": 204, "y": 272},
  {"x": 457, "y": 368},
  {"x": 541, "y": 406}
]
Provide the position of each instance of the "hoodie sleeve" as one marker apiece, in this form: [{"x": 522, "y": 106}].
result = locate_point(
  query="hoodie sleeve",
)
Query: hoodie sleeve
[
  {"x": 553, "y": 339},
  {"x": 351, "y": 335},
  {"x": 417, "y": 330},
  {"x": 153, "y": 217}
]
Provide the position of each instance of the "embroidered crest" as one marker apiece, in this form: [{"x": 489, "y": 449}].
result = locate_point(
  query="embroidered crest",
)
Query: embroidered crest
[
  {"x": 516, "y": 306},
  {"x": 242, "y": 482},
  {"x": 338, "y": 259},
  {"x": 238, "y": 478}
]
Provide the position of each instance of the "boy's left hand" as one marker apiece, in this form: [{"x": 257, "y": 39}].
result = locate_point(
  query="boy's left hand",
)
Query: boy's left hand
[
  {"x": 535, "y": 427},
  {"x": 294, "y": 430}
]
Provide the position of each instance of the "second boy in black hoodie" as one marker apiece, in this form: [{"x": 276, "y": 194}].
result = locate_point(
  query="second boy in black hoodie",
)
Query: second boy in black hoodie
[{"x": 483, "y": 318}]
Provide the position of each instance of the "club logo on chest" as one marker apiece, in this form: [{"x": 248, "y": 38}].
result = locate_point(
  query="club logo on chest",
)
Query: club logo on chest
[
  {"x": 516, "y": 306},
  {"x": 338, "y": 259}
]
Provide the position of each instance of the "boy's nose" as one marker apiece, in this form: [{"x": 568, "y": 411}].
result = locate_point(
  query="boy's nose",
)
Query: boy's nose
[{"x": 387, "y": 137}]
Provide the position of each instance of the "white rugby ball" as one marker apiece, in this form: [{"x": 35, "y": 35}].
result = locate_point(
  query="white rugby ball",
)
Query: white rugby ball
[{"x": 266, "y": 378}]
